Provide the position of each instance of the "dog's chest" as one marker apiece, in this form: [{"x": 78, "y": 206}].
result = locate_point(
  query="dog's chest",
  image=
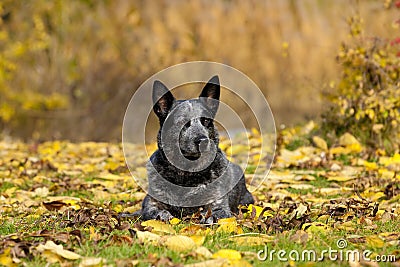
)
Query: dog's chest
[{"x": 193, "y": 179}]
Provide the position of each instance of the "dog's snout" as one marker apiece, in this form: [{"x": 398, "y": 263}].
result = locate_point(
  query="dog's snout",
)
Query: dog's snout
[{"x": 201, "y": 142}]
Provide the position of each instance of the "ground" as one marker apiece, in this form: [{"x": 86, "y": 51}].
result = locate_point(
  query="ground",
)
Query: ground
[{"x": 61, "y": 205}]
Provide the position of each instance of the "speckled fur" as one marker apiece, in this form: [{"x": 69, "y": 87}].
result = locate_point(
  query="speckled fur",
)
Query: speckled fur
[{"x": 221, "y": 205}]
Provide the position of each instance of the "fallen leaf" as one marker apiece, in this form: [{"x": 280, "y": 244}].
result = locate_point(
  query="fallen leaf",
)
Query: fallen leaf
[
  {"x": 180, "y": 243},
  {"x": 228, "y": 225},
  {"x": 340, "y": 178},
  {"x": 300, "y": 211},
  {"x": 148, "y": 237},
  {"x": 375, "y": 241},
  {"x": 239, "y": 263},
  {"x": 50, "y": 248},
  {"x": 198, "y": 239},
  {"x": 159, "y": 227},
  {"x": 348, "y": 139},
  {"x": 227, "y": 254},
  {"x": 6, "y": 259},
  {"x": 92, "y": 262},
  {"x": 174, "y": 221},
  {"x": 246, "y": 240},
  {"x": 209, "y": 263},
  {"x": 203, "y": 252},
  {"x": 320, "y": 143}
]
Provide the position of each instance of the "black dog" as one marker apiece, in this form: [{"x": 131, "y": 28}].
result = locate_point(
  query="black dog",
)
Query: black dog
[{"x": 189, "y": 172}]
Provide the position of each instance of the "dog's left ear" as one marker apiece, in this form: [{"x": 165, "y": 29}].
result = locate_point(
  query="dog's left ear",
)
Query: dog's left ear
[
  {"x": 210, "y": 94},
  {"x": 162, "y": 100}
]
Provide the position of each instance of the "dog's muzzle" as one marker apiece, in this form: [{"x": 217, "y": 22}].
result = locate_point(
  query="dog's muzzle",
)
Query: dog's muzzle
[{"x": 201, "y": 143}]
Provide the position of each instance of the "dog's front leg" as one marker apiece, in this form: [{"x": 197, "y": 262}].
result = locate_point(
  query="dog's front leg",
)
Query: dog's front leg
[
  {"x": 153, "y": 209},
  {"x": 219, "y": 210}
]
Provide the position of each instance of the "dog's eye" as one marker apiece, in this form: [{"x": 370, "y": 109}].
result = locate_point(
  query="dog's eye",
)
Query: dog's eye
[
  {"x": 205, "y": 121},
  {"x": 188, "y": 123}
]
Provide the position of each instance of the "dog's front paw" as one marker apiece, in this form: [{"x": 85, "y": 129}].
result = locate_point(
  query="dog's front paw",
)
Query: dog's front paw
[
  {"x": 215, "y": 216},
  {"x": 164, "y": 215}
]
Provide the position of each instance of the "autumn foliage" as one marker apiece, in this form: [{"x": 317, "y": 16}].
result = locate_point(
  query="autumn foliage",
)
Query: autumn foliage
[
  {"x": 366, "y": 99},
  {"x": 67, "y": 67}
]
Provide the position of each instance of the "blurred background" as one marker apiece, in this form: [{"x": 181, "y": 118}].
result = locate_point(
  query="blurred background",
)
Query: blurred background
[{"x": 69, "y": 68}]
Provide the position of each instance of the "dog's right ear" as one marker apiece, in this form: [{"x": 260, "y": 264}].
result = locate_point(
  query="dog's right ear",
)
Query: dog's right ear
[{"x": 162, "y": 99}]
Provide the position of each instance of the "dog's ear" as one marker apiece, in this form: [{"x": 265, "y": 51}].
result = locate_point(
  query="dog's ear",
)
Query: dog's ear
[
  {"x": 210, "y": 94},
  {"x": 162, "y": 99}
]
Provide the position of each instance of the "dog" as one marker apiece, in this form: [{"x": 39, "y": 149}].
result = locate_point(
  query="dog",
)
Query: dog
[{"x": 189, "y": 173}]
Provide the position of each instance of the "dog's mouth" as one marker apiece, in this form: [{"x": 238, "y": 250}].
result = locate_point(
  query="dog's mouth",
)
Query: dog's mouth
[{"x": 191, "y": 156}]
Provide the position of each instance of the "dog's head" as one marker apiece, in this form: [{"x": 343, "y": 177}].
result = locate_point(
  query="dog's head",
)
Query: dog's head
[{"x": 188, "y": 124}]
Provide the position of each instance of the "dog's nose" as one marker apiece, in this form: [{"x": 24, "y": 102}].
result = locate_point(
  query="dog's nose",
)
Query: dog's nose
[{"x": 201, "y": 142}]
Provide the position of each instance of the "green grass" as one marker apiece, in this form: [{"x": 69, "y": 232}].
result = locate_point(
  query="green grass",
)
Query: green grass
[
  {"x": 317, "y": 241},
  {"x": 296, "y": 143},
  {"x": 7, "y": 228}
]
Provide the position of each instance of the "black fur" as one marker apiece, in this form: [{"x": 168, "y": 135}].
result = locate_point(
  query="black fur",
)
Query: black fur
[{"x": 196, "y": 136}]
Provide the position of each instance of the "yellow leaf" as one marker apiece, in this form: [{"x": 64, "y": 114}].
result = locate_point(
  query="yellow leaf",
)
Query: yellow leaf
[
  {"x": 255, "y": 132},
  {"x": 50, "y": 256},
  {"x": 118, "y": 208},
  {"x": 210, "y": 263},
  {"x": 195, "y": 230},
  {"x": 237, "y": 149},
  {"x": 5, "y": 258},
  {"x": 300, "y": 211},
  {"x": 203, "y": 252},
  {"x": 92, "y": 262},
  {"x": 228, "y": 225},
  {"x": 347, "y": 139},
  {"x": 110, "y": 176},
  {"x": 370, "y": 165},
  {"x": 339, "y": 151},
  {"x": 346, "y": 226},
  {"x": 377, "y": 196},
  {"x": 148, "y": 237},
  {"x": 386, "y": 174},
  {"x": 301, "y": 186},
  {"x": 315, "y": 227},
  {"x": 50, "y": 247},
  {"x": 111, "y": 165},
  {"x": 320, "y": 143},
  {"x": 242, "y": 240},
  {"x": 159, "y": 227},
  {"x": 174, "y": 221},
  {"x": 375, "y": 241},
  {"x": 227, "y": 254},
  {"x": 239, "y": 263},
  {"x": 180, "y": 243},
  {"x": 198, "y": 239},
  {"x": 340, "y": 178},
  {"x": 257, "y": 208},
  {"x": 354, "y": 148}
]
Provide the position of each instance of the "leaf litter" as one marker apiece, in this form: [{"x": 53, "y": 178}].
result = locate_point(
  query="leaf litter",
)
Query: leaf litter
[{"x": 58, "y": 198}]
